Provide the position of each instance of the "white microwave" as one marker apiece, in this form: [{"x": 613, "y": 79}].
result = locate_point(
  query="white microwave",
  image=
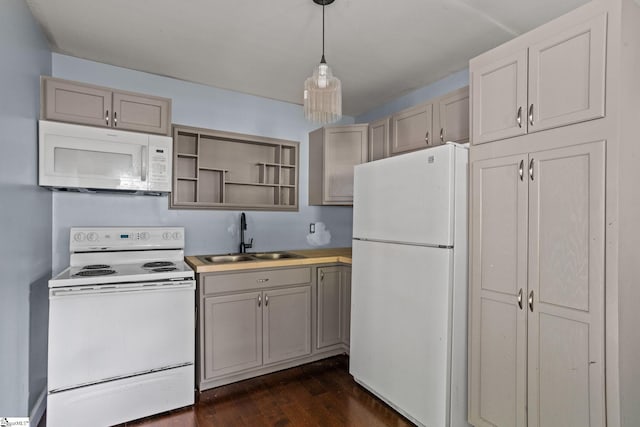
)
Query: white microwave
[{"x": 83, "y": 158}]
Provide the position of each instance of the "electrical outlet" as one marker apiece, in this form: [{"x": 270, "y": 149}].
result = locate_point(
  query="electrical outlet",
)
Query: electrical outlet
[{"x": 312, "y": 228}]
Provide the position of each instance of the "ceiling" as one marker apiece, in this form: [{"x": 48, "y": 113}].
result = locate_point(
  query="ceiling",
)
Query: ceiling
[{"x": 379, "y": 49}]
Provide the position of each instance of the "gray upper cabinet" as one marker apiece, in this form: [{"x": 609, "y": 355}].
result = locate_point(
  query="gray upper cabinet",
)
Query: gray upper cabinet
[
  {"x": 453, "y": 117},
  {"x": 379, "y": 139},
  {"x": 412, "y": 129},
  {"x": 82, "y": 103},
  {"x": 537, "y": 289},
  {"x": 549, "y": 82},
  {"x": 224, "y": 170},
  {"x": 333, "y": 152}
]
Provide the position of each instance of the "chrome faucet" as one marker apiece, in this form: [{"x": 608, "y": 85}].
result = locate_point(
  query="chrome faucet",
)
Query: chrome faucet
[{"x": 243, "y": 226}]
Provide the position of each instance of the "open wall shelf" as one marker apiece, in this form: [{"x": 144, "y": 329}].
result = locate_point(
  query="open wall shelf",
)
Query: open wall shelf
[{"x": 224, "y": 170}]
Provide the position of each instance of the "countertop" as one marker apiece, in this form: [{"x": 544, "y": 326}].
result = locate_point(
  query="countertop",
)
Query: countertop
[{"x": 311, "y": 256}]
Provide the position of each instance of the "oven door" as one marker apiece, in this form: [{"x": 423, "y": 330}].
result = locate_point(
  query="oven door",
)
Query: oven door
[
  {"x": 73, "y": 156},
  {"x": 105, "y": 332}
]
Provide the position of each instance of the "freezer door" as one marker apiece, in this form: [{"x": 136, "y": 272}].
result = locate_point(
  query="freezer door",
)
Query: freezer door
[
  {"x": 400, "y": 299},
  {"x": 407, "y": 198}
]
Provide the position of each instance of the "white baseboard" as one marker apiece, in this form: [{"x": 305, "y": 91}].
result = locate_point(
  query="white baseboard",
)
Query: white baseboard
[{"x": 36, "y": 413}]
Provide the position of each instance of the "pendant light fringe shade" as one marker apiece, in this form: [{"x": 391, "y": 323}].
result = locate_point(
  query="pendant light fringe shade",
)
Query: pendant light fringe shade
[{"x": 322, "y": 91}]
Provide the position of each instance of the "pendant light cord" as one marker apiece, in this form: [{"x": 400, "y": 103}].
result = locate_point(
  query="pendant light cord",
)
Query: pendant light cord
[{"x": 323, "y": 61}]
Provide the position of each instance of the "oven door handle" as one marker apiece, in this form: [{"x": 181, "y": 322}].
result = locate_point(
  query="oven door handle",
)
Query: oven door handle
[{"x": 121, "y": 288}]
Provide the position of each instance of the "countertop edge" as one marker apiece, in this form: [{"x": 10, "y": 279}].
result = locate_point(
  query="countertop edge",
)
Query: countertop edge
[{"x": 311, "y": 257}]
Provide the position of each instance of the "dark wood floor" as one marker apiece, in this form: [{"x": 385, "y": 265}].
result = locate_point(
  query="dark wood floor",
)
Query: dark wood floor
[{"x": 317, "y": 394}]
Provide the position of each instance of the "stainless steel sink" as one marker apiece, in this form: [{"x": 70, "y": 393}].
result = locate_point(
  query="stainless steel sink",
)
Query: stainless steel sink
[
  {"x": 260, "y": 256},
  {"x": 216, "y": 259},
  {"x": 274, "y": 255}
]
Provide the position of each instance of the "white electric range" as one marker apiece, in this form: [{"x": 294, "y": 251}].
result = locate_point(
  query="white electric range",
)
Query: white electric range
[{"x": 121, "y": 327}]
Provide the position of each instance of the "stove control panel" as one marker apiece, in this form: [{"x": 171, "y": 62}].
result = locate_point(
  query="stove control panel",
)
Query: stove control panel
[{"x": 118, "y": 238}]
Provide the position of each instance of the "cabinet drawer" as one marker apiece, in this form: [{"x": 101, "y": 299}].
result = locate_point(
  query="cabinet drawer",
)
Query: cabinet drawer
[{"x": 256, "y": 280}]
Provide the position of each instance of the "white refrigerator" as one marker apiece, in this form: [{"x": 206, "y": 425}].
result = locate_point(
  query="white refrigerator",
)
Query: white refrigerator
[{"x": 409, "y": 283}]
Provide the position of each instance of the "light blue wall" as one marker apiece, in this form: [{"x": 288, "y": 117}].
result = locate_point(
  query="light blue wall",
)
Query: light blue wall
[
  {"x": 25, "y": 214},
  {"x": 418, "y": 96},
  {"x": 206, "y": 231}
]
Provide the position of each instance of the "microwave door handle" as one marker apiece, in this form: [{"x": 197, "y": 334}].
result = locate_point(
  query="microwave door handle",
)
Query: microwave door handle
[{"x": 145, "y": 154}]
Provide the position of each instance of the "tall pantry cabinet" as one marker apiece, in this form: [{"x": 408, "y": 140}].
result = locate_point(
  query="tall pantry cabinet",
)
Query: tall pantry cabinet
[{"x": 554, "y": 230}]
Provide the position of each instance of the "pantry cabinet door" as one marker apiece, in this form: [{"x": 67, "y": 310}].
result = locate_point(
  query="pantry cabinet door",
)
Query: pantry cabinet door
[
  {"x": 567, "y": 76},
  {"x": 497, "y": 344},
  {"x": 499, "y": 98},
  {"x": 566, "y": 287}
]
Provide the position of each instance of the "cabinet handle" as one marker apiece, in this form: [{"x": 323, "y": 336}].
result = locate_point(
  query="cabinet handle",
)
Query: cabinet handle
[
  {"x": 519, "y": 117},
  {"x": 106, "y": 117},
  {"x": 426, "y": 138},
  {"x": 259, "y": 300},
  {"x": 520, "y": 299},
  {"x": 441, "y": 134},
  {"x": 266, "y": 300},
  {"x": 262, "y": 280},
  {"x": 531, "y": 114},
  {"x": 115, "y": 119},
  {"x": 321, "y": 275},
  {"x": 531, "y": 169},
  {"x": 521, "y": 170},
  {"x": 531, "y": 301}
]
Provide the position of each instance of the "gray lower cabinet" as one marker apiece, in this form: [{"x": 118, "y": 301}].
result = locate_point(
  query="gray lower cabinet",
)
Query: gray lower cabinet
[
  {"x": 232, "y": 333},
  {"x": 333, "y": 152},
  {"x": 82, "y": 103},
  {"x": 258, "y": 321},
  {"x": 537, "y": 288},
  {"x": 286, "y": 324},
  {"x": 334, "y": 306}
]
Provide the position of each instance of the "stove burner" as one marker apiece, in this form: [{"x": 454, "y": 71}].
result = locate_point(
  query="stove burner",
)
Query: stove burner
[
  {"x": 85, "y": 273},
  {"x": 95, "y": 267},
  {"x": 159, "y": 264},
  {"x": 163, "y": 269}
]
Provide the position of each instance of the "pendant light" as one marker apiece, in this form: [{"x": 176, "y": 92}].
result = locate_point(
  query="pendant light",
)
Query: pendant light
[{"x": 322, "y": 91}]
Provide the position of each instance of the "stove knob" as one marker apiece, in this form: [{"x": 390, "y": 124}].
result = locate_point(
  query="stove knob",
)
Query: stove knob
[
  {"x": 145, "y": 236},
  {"x": 177, "y": 235},
  {"x": 79, "y": 237},
  {"x": 166, "y": 235},
  {"x": 92, "y": 237}
]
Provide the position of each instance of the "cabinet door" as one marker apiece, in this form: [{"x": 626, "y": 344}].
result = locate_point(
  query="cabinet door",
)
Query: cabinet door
[
  {"x": 76, "y": 103},
  {"x": 454, "y": 117},
  {"x": 346, "y": 306},
  {"x": 498, "y": 288},
  {"x": 499, "y": 98},
  {"x": 566, "y": 284},
  {"x": 287, "y": 323},
  {"x": 412, "y": 129},
  {"x": 379, "y": 139},
  {"x": 330, "y": 304},
  {"x": 567, "y": 76},
  {"x": 232, "y": 333},
  {"x": 141, "y": 113},
  {"x": 344, "y": 147}
]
